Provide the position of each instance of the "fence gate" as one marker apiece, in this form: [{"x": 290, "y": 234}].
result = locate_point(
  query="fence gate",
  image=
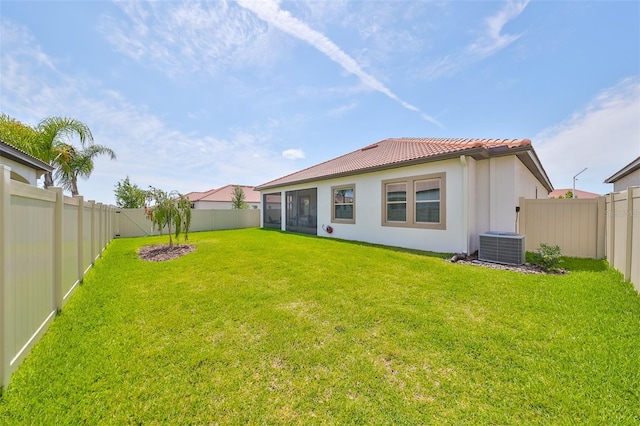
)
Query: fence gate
[{"x": 577, "y": 226}]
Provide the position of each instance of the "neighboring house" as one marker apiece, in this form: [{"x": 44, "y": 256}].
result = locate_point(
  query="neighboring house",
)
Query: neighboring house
[
  {"x": 627, "y": 176},
  {"x": 24, "y": 167},
  {"x": 221, "y": 198},
  {"x": 427, "y": 194},
  {"x": 557, "y": 193}
]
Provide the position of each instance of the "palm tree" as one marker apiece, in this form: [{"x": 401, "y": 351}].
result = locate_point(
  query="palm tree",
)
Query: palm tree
[
  {"x": 52, "y": 134},
  {"x": 73, "y": 163}
]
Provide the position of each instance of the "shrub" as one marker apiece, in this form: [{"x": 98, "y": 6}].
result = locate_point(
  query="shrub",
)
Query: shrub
[
  {"x": 170, "y": 210},
  {"x": 549, "y": 257}
]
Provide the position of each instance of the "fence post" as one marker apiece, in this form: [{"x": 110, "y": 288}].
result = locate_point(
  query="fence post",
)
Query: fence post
[
  {"x": 5, "y": 205},
  {"x": 601, "y": 223},
  {"x": 80, "y": 236},
  {"x": 100, "y": 225},
  {"x": 629, "y": 236},
  {"x": 93, "y": 231},
  {"x": 612, "y": 229},
  {"x": 58, "y": 223}
]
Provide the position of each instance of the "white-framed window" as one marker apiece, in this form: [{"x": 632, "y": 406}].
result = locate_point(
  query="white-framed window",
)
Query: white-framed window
[
  {"x": 415, "y": 202},
  {"x": 343, "y": 204}
]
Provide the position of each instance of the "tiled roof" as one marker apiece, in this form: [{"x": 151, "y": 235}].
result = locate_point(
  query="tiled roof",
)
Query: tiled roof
[
  {"x": 396, "y": 152},
  {"x": 579, "y": 193},
  {"x": 225, "y": 194},
  {"x": 16, "y": 154}
]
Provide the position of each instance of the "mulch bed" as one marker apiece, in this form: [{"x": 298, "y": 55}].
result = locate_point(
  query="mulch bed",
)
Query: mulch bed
[
  {"x": 527, "y": 268},
  {"x": 162, "y": 252}
]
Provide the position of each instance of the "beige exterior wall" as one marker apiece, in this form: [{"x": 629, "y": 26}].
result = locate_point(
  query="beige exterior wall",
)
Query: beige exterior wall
[
  {"x": 133, "y": 223},
  {"x": 45, "y": 248}
]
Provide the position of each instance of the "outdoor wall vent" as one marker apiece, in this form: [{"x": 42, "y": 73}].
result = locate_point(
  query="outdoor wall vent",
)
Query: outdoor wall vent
[{"x": 502, "y": 247}]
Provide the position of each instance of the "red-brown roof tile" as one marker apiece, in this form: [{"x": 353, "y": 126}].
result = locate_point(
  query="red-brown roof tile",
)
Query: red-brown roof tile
[
  {"x": 225, "y": 194},
  {"x": 556, "y": 193},
  {"x": 395, "y": 152}
]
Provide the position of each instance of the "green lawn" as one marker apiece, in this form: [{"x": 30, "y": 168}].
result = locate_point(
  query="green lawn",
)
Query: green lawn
[{"x": 263, "y": 327}]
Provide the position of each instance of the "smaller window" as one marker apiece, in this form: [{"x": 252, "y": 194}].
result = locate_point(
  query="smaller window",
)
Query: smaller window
[
  {"x": 343, "y": 202},
  {"x": 427, "y": 200},
  {"x": 396, "y": 195}
]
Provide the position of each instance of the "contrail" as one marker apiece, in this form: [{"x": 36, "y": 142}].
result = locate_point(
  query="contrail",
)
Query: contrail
[{"x": 281, "y": 19}]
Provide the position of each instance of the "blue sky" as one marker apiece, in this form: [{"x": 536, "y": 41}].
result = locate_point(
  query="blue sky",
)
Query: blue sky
[{"x": 196, "y": 95}]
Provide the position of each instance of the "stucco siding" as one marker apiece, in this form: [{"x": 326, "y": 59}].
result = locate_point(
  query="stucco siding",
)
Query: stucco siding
[
  {"x": 368, "y": 209},
  {"x": 20, "y": 172},
  {"x": 502, "y": 194},
  {"x": 481, "y": 196}
]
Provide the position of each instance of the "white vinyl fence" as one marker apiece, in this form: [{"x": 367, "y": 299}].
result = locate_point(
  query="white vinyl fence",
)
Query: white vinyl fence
[
  {"x": 47, "y": 244},
  {"x": 133, "y": 223}
]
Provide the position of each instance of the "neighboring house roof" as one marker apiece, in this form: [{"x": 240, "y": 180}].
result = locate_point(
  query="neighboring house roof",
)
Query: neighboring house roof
[
  {"x": 195, "y": 196},
  {"x": 19, "y": 156},
  {"x": 399, "y": 152},
  {"x": 225, "y": 194},
  {"x": 579, "y": 194},
  {"x": 628, "y": 169}
]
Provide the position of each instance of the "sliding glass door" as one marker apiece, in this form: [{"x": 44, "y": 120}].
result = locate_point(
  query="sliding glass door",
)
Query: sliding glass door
[
  {"x": 272, "y": 210},
  {"x": 302, "y": 211}
]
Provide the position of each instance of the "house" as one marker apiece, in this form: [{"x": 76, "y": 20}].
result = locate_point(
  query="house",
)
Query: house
[
  {"x": 557, "y": 193},
  {"x": 627, "y": 176},
  {"x": 24, "y": 167},
  {"x": 429, "y": 194},
  {"x": 221, "y": 198}
]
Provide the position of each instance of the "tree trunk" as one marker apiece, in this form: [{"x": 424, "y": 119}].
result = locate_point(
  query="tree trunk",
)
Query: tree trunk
[
  {"x": 48, "y": 180},
  {"x": 74, "y": 187}
]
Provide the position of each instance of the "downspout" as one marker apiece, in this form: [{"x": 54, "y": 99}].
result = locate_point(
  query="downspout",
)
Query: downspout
[{"x": 465, "y": 204}]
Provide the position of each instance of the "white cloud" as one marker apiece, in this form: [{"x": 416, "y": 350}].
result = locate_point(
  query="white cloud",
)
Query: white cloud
[
  {"x": 490, "y": 42},
  {"x": 282, "y": 19},
  {"x": 603, "y": 137},
  {"x": 179, "y": 37},
  {"x": 293, "y": 154},
  {"x": 493, "y": 40},
  {"x": 149, "y": 151}
]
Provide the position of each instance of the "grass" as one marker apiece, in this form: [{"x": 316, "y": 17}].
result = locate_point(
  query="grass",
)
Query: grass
[{"x": 262, "y": 327}]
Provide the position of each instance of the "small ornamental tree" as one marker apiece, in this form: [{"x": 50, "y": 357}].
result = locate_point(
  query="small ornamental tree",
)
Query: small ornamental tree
[
  {"x": 237, "y": 198},
  {"x": 128, "y": 195},
  {"x": 169, "y": 210}
]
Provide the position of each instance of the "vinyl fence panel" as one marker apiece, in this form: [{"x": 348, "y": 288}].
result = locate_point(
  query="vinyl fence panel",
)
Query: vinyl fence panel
[
  {"x": 47, "y": 243},
  {"x": 575, "y": 225}
]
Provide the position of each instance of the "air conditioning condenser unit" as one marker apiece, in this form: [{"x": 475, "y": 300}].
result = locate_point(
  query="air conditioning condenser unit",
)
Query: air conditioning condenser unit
[{"x": 502, "y": 247}]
